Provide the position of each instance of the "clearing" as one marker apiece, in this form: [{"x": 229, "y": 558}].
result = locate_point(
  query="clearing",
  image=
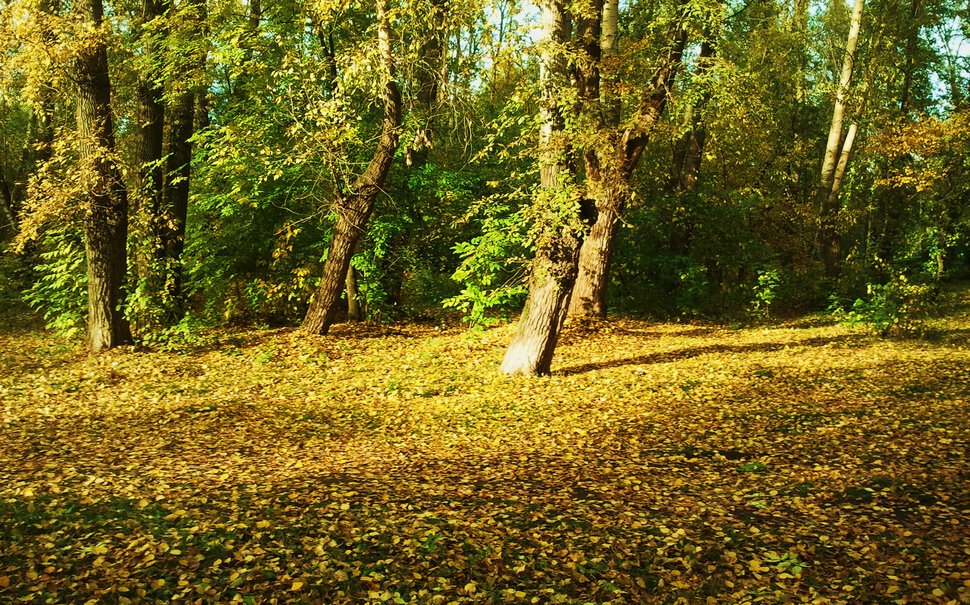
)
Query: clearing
[{"x": 660, "y": 463}]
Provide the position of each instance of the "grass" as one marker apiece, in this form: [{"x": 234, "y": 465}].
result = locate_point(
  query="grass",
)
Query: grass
[{"x": 660, "y": 463}]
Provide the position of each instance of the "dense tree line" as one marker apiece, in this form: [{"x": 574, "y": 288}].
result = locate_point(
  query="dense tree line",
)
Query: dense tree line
[{"x": 170, "y": 163}]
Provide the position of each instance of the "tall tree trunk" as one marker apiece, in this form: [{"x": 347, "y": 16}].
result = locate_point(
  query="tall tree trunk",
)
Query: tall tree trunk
[
  {"x": 830, "y": 248},
  {"x": 555, "y": 265},
  {"x": 912, "y": 45},
  {"x": 173, "y": 217},
  {"x": 354, "y": 209},
  {"x": 106, "y": 220},
  {"x": 427, "y": 80},
  {"x": 150, "y": 135},
  {"x": 689, "y": 149},
  {"x": 609, "y": 171}
]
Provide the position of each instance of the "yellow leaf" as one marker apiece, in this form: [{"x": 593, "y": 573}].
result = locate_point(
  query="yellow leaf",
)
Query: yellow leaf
[
  {"x": 297, "y": 585},
  {"x": 263, "y": 524},
  {"x": 4, "y": 581}
]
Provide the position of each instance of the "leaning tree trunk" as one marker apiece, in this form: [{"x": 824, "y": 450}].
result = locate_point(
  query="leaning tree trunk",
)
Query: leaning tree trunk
[
  {"x": 555, "y": 265},
  {"x": 609, "y": 174},
  {"x": 835, "y": 149},
  {"x": 589, "y": 294},
  {"x": 106, "y": 219},
  {"x": 354, "y": 209}
]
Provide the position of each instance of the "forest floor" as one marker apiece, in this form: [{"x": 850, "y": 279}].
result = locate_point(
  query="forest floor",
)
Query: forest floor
[{"x": 660, "y": 463}]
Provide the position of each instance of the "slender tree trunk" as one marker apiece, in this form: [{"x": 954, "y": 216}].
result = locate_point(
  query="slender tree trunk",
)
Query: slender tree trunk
[
  {"x": 9, "y": 208},
  {"x": 353, "y": 296},
  {"x": 830, "y": 248},
  {"x": 555, "y": 265},
  {"x": 150, "y": 136},
  {"x": 355, "y": 209},
  {"x": 172, "y": 219},
  {"x": 106, "y": 221},
  {"x": 912, "y": 44},
  {"x": 689, "y": 149}
]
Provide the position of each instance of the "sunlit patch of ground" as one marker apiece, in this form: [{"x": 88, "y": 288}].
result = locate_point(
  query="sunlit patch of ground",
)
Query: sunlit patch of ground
[{"x": 664, "y": 463}]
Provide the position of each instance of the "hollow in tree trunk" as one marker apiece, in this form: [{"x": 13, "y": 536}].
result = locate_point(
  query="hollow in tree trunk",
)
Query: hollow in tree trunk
[{"x": 106, "y": 217}]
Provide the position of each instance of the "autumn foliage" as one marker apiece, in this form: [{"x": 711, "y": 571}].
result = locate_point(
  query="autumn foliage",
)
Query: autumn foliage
[{"x": 659, "y": 463}]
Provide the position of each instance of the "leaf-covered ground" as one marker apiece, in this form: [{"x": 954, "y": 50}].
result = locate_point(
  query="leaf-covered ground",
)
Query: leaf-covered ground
[{"x": 661, "y": 463}]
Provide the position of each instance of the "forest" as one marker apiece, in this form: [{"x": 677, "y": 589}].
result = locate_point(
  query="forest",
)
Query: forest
[
  {"x": 171, "y": 166},
  {"x": 441, "y": 301}
]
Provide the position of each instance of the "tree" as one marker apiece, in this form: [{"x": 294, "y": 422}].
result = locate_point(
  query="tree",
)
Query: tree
[
  {"x": 106, "y": 203},
  {"x": 355, "y": 205},
  {"x": 561, "y": 224},
  {"x": 837, "y": 151},
  {"x": 610, "y": 164}
]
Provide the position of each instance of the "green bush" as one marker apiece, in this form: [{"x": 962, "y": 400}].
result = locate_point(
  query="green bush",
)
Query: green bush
[
  {"x": 60, "y": 289},
  {"x": 896, "y": 308}
]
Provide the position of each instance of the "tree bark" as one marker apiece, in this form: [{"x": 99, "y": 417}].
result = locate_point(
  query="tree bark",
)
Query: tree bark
[
  {"x": 355, "y": 209},
  {"x": 830, "y": 249},
  {"x": 106, "y": 220},
  {"x": 689, "y": 149},
  {"x": 609, "y": 170},
  {"x": 172, "y": 219},
  {"x": 555, "y": 265},
  {"x": 150, "y": 137}
]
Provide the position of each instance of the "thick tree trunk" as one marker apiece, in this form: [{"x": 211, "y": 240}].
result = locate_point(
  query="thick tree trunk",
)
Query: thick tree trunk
[
  {"x": 555, "y": 265},
  {"x": 536, "y": 335},
  {"x": 829, "y": 246},
  {"x": 589, "y": 294},
  {"x": 355, "y": 209},
  {"x": 106, "y": 221}
]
